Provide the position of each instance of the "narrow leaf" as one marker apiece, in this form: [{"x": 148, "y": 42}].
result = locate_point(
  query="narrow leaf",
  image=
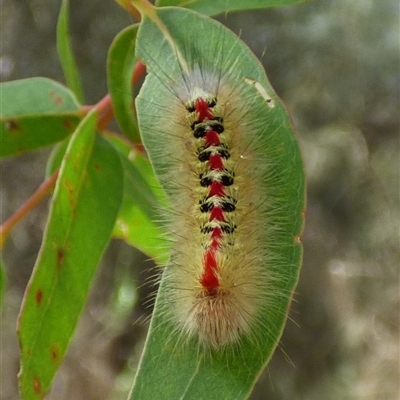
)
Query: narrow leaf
[
  {"x": 56, "y": 156},
  {"x": 138, "y": 221},
  {"x": 83, "y": 211},
  {"x": 135, "y": 227},
  {"x": 214, "y": 7},
  {"x": 2, "y": 282},
  {"x": 120, "y": 65},
  {"x": 65, "y": 53},
  {"x": 35, "y": 112}
]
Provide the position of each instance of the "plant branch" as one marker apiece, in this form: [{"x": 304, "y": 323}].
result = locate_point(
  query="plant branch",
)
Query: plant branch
[
  {"x": 104, "y": 106},
  {"x": 127, "y": 4},
  {"x": 138, "y": 72},
  {"x": 42, "y": 191}
]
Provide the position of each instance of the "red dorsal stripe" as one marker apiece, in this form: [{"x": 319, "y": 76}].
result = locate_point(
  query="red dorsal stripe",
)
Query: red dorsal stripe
[
  {"x": 202, "y": 108},
  {"x": 217, "y": 189},
  {"x": 212, "y": 138},
  {"x": 216, "y": 162},
  {"x": 216, "y": 233},
  {"x": 216, "y": 236},
  {"x": 209, "y": 279},
  {"x": 217, "y": 213}
]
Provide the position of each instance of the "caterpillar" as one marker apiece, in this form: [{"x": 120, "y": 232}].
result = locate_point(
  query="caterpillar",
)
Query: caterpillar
[{"x": 219, "y": 141}]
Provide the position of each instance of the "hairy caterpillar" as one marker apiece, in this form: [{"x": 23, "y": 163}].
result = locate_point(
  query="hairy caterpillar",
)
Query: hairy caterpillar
[{"x": 221, "y": 145}]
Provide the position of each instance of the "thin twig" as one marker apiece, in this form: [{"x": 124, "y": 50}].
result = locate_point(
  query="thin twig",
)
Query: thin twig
[
  {"x": 42, "y": 191},
  {"x": 106, "y": 113}
]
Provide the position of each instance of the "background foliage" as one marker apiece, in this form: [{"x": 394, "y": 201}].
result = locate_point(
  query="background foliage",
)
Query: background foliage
[{"x": 335, "y": 65}]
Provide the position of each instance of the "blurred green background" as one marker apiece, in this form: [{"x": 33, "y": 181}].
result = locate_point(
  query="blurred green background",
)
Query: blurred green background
[{"x": 336, "y": 66}]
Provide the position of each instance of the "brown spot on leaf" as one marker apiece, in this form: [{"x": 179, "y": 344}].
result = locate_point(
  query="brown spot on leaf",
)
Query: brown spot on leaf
[
  {"x": 55, "y": 353},
  {"x": 97, "y": 167},
  {"x": 60, "y": 258},
  {"x": 39, "y": 297},
  {"x": 71, "y": 193},
  {"x": 57, "y": 99},
  {"x": 140, "y": 148},
  {"x": 37, "y": 387},
  {"x": 67, "y": 124},
  {"x": 12, "y": 125}
]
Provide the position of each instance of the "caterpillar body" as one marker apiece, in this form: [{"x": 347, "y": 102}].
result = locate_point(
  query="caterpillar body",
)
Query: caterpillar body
[{"x": 211, "y": 127}]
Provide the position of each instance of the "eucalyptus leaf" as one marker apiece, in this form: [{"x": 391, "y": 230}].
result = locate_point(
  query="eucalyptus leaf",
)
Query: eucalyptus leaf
[
  {"x": 120, "y": 65},
  {"x": 2, "y": 282},
  {"x": 65, "y": 53},
  {"x": 214, "y": 7},
  {"x": 174, "y": 53},
  {"x": 139, "y": 222},
  {"x": 35, "y": 112},
  {"x": 83, "y": 211}
]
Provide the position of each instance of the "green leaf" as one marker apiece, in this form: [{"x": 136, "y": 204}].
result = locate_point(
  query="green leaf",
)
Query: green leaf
[
  {"x": 2, "y": 282},
  {"x": 140, "y": 183},
  {"x": 35, "y": 112},
  {"x": 174, "y": 366},
  {"x": 82, "y": 215},
  {"x": 213, "y": 7},
  {"x": 120, "y": 65},
  {"x": 56, "y": 156},
  {"x": 65, "y": 53},
  {"x": 138, "y": 221},
  {"x": 137, "y": 229}
]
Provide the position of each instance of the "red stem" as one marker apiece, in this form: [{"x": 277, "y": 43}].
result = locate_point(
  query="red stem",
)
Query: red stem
[
  {"x": 104, "y": 105},
  {"x": 106, "y": 114},
  {"x": 138, "y": 72},
  {"x": 42, "y": 191}
]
